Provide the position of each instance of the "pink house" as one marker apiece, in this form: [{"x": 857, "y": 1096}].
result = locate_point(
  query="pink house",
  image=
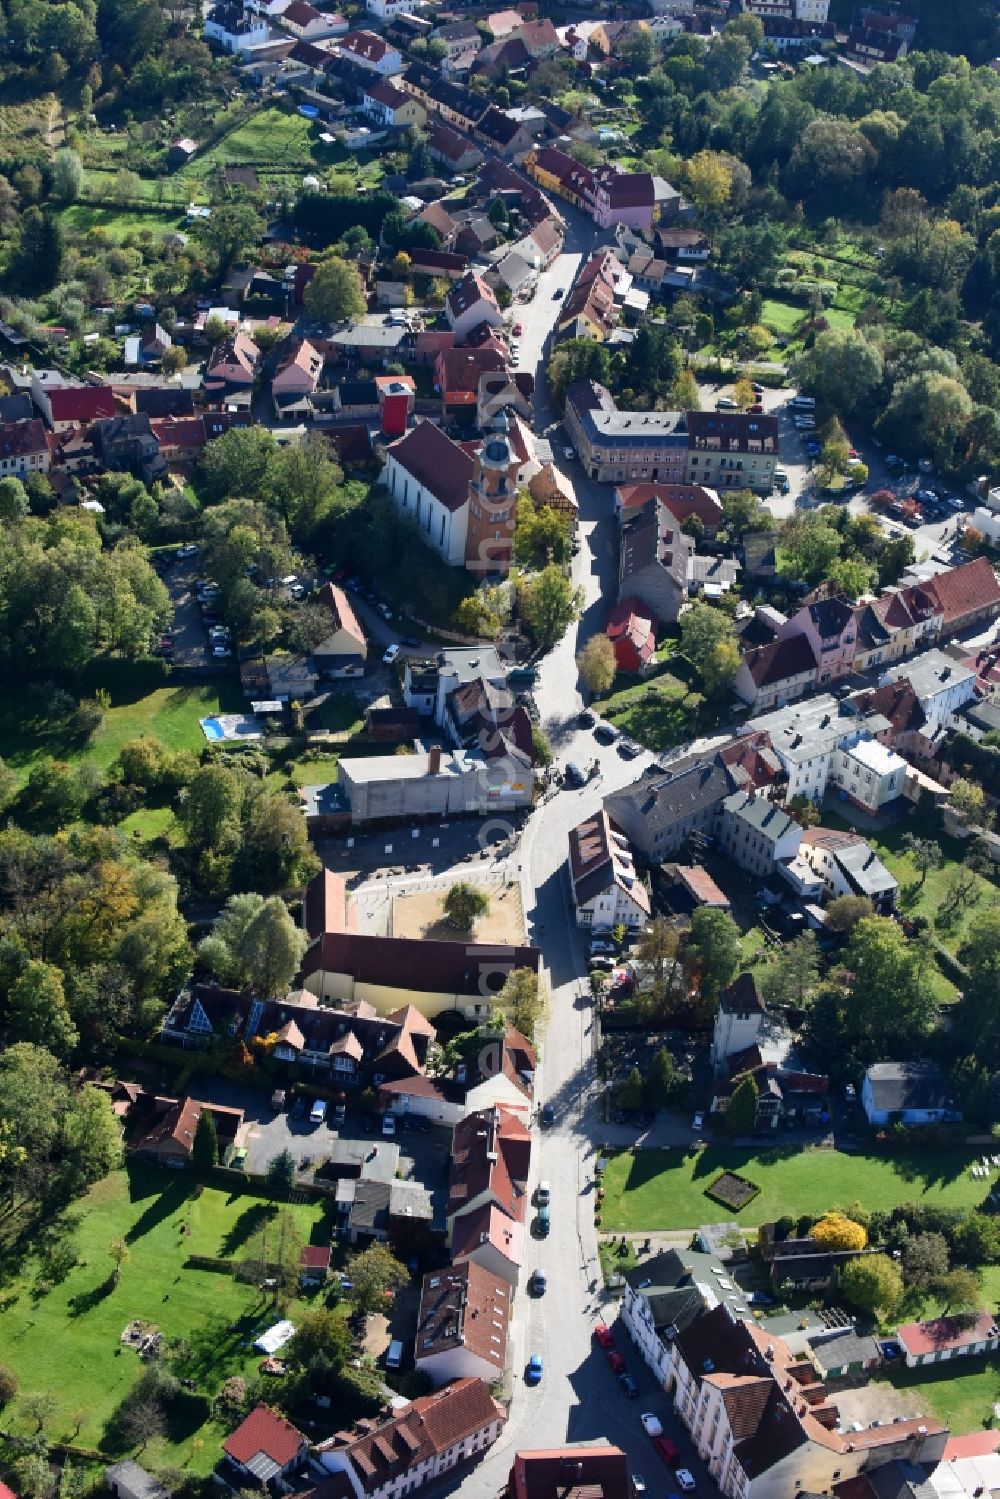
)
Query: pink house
[
  {"x": 624, "y": 198},
  {"x": 829, "y": 626},
  {"x": 299, "y": 370},
  {"x": 233, "y": 362}
]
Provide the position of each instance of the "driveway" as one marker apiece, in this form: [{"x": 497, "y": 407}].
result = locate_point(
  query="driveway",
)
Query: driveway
[{"x": 189, "y": 634}]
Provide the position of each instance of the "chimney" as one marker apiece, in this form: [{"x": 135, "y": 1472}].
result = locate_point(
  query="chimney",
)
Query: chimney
[{"x": 434, "y": 760}]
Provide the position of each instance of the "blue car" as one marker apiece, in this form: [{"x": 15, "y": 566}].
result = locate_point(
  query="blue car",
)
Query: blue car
[
  {"x": 548, "y": 1114},
  {"x": 535, "y": 1368}
]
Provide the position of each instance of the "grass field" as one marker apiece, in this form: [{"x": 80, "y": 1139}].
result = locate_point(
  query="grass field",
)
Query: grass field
[
  {"x": 781, "y": 317},
  {"x": 961, "y": 1394},
  {"x": 659, "y": 712},
  {"x": 119, "y": 223},
  {"x": 67, "y": 1339},
  {"x": 930, "y": 898},
  {"x": 169, "y": 714},
  {"x": 653, "y": 1190}
]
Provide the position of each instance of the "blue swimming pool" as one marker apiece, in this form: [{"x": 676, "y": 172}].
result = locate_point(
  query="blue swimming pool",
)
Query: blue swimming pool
[{"x": 213, "y": 728}]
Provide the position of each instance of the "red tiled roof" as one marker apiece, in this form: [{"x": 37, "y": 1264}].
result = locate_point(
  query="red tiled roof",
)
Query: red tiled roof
[
  {"x": 315, "y": 1257},
  {"x": 464, "y": 1306},
  {"x": 21, "y": 439},
  {"x": 488, "y": 1225},
  {"x": 436, "y": 462},
  {"x": 945, "y": 1332},
  {"x": 682, "y": 500},
  {"x": 462, "y": 368},
  {"x": 495, "y": 1133},
  {"x": 964, "y": 590},
  {"x": 542, "y": 1474},
  {"x": 81, "y": 403},
  {"x": 971, "y": 1444},
  {"x": 339, "y": 605},
  {"x": 264, "y": 1431},
  {"x": 365, "y": 44}
]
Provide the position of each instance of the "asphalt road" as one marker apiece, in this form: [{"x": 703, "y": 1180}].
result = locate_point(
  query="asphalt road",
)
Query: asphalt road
[{"x": 578, "y": 1397}]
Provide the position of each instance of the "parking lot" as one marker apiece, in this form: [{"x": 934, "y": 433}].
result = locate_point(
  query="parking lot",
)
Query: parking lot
[
  {"x": 419, "y": 1153},
  {"x": 188, "y": 633}
]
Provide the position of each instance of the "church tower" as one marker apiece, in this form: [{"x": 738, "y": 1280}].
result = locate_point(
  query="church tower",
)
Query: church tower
[{"x": 489, "y": 541}]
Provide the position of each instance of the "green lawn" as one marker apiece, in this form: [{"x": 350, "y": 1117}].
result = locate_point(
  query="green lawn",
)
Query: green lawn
[
  {"x": 930, "y": 898},
  {"x": 651, "y": 1190},
  {"x": 960, "y": 1393},
  {"x": 119, "y": 223},
  {"x": 781, "y": 317},
  {"x": 67, "y": 1339},
  {"x": 169, "y": 714},
  {"x": 658, "y": 712}
]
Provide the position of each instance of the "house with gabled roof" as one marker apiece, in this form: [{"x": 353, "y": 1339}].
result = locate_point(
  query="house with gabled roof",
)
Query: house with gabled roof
[
  {"x": 233, "y": 363},
  {"x": 771, "y": 676},
  {"x": 388, "y": 1457},
  {"x": 342, "y": 653},
  {"x": 829, "y": 625},
  {"x": 631, "y": 628},
  {"x": 653, "y": 561},
  {"x": 469, "y": 304},
  {"x": 265, "y": 1449},
  {"x": 595, "y": 1469},
  {"x": 462, "y": 1324},
  {"x": 490, "y": 1163},
  {"x": 491, "y": 1238},
  {"x": 24, "y": 449},
  {"x": 606, "y": 890},
  {"x": 372, "y": 52}
]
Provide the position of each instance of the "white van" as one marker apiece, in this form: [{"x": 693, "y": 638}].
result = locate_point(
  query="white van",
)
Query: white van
[{"x": 394, "y": 1357}]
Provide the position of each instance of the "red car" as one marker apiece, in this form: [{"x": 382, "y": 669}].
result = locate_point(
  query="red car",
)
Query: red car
[
  {"x": 616, "y": 1361},
  {"x": 667, "y": 1450},
  {"x": 756, "y": 409},
  {"x": 518, "y": 330},
  {"x": 603, "y": 1335}
]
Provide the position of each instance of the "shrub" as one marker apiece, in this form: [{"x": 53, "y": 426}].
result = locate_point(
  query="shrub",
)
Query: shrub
[
  {"x": 732, "y": 1191},
  {"x": 8, "y": 1385}
]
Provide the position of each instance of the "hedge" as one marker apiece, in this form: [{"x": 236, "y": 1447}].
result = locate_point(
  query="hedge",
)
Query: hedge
[{"x": 209, "y": 1262}]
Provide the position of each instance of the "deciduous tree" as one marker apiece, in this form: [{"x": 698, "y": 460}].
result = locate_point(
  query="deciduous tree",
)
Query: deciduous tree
[
  {"x": 335, "y": 292},
  {"x": 597, "y": 665},
  {"x": 872, "y": 1284},
  {"x": 463, "y": 903}
]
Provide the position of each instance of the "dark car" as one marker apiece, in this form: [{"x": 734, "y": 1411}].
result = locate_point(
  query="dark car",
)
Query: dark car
[
  {"x": 605, "y": 734},
  {"x": 560, "y": 291},
  {"x": 627, "y": 749},
  {"x": 629, "y": 1385},
  {"x": 548, "y": 1114},
  {"x": 574, "y": 775},
  {"x": 299, "y": 1109},
  {"x": 585, "y": 720},
  {"x": 537, "y": 1283}
]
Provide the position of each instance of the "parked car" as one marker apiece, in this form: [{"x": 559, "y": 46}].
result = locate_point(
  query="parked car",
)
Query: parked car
[
  {"x": 548, "y": 1115},
  {"x": 318, "y": 1111},
  {"x": 599, "y": 945},
  {"x": 544, "y": 1194},
  {"x": 389, "y": 1125},
  {"x": 538, "y": 1283},
  {"x": 189, "y": 550},
  {"x": 340, "y": 1115},
  {"x": 605, "y": 734},
  {"x": 560, "y": 291},
  {"x": 585, "y": 720},
  {"x": 668, "y": 1451},
  {"x": 629, "y": 1386},
  {"x": 685, "y": 1478},
  {"x": 615, "y": 1360},
  {"x": 569, "y": 453},
  {"x": 602, "y": 1334},
  {"x": 651, "y": 1425},
  {"x": 638, "y": 1483},
  {"x": 518, "y": 330},
  {"x": 628, "y": 750},
  {"x": 390, "y": 655},
  {"x": 535, "y": 1369},
  {"x": 544, "y": 1222},
  {"x": 726, "y": 403},
  {"x": 574, "y": 775},
  {"x": 698, "y": 1121},
  {"x": 221, "y": 651}
]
